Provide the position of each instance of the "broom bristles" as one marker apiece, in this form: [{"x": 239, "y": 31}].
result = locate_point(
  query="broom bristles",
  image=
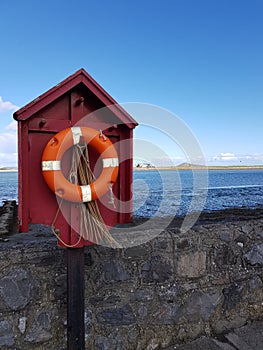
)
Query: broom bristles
[{"x": 92, "y": 226}]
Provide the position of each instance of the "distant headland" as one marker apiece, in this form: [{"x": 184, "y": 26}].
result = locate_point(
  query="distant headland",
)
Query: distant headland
[
  {"x": 189, "y": 166},
  {"x": 183, "y": 166},
  {"x": 8, "y": 169}
]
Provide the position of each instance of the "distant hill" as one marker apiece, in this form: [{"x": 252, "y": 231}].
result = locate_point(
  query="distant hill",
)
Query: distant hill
[
  {"x": 189, "y": 166},
  {"x": 8, "y": 168},
  {"x": 184, "y": 166}
]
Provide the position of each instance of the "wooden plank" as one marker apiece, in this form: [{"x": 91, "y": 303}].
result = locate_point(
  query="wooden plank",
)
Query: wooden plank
[{"x": 48, "y": 125}]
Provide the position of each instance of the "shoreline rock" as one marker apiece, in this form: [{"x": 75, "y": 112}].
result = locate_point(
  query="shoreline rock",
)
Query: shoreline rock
[{"x": 8, "y": 218}]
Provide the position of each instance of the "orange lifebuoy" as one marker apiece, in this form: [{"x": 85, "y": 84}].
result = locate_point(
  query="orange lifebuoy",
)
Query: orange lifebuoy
[{"x": 53, "y": 154}]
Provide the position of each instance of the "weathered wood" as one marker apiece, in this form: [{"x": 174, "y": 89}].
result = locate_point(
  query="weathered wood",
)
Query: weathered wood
[{"x": 75, "y": 299}]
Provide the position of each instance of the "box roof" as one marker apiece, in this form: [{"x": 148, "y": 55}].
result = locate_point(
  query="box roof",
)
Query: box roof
[{"x": 80, "y": 76}]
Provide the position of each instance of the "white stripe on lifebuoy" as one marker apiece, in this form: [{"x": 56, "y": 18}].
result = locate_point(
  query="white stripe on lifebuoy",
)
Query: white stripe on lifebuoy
[
  {"x": 86, "y": 193},
  {"x": 110, "y": 162},
  {"x": 76, "y": 133},
  {"x": 51, "y": 165}
]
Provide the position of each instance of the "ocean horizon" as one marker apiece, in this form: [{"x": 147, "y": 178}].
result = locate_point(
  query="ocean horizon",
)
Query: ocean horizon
[{"x": 170, "y": 193}]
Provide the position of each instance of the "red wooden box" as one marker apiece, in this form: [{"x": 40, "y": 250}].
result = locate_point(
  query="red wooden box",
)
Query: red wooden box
[{"x": 76, "y": 100}]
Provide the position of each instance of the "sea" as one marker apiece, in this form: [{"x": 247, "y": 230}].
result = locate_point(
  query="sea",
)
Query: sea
[{"x": 178, "y": 192}]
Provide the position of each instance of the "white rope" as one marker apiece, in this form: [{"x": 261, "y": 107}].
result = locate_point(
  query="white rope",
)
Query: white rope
[{"x": 92, "y": 227}]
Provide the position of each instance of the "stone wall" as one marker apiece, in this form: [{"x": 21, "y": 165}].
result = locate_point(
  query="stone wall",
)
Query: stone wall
[{"x": 172, "y": 289}]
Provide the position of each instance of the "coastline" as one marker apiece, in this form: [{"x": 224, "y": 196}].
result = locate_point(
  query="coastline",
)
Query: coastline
[
  {"x": 202, "y": 167},
  {"x": 180, "y": 167},
  {"x": 8, "y": 170}
]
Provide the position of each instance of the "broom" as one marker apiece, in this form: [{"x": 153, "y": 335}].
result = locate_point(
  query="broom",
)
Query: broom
[{"x": 92, "y": 226}]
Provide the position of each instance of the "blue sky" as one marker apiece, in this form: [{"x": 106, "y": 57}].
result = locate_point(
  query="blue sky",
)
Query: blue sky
[{"x": 199, "y": 59}]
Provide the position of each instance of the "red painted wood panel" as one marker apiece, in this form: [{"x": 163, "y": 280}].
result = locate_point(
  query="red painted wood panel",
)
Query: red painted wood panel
[{"x": 76, "y": 101}]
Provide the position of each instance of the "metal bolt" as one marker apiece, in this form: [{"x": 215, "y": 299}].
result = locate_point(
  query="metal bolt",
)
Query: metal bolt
[
  {"x": 79, "y": 101},
  {"x": 42, "y": 122}
]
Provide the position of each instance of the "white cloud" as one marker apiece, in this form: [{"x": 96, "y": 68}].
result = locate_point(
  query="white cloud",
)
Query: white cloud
[
  {"x": 7, "y": 106},
  {"x": 255, "y": 157},
  {"x": 227, "y": 158},
  {"x": 8, "y": 145},
  {"x": 12, "y": 127},
  {"x": 8, "y": 159}
]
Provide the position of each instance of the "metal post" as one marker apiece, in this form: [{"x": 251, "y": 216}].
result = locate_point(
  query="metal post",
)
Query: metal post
[{"x": 75, "y": 299}]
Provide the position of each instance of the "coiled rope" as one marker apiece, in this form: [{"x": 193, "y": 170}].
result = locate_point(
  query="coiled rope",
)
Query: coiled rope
[{"x": 92, "y": 227}]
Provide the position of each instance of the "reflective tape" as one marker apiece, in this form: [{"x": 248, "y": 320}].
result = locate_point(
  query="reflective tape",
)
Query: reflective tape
[
  {"x": 86, "y": 193},
  {"x": 51, "y": 165},
  {"x": 76, "y": 133},
  {"x": 110, "y": 162}
]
